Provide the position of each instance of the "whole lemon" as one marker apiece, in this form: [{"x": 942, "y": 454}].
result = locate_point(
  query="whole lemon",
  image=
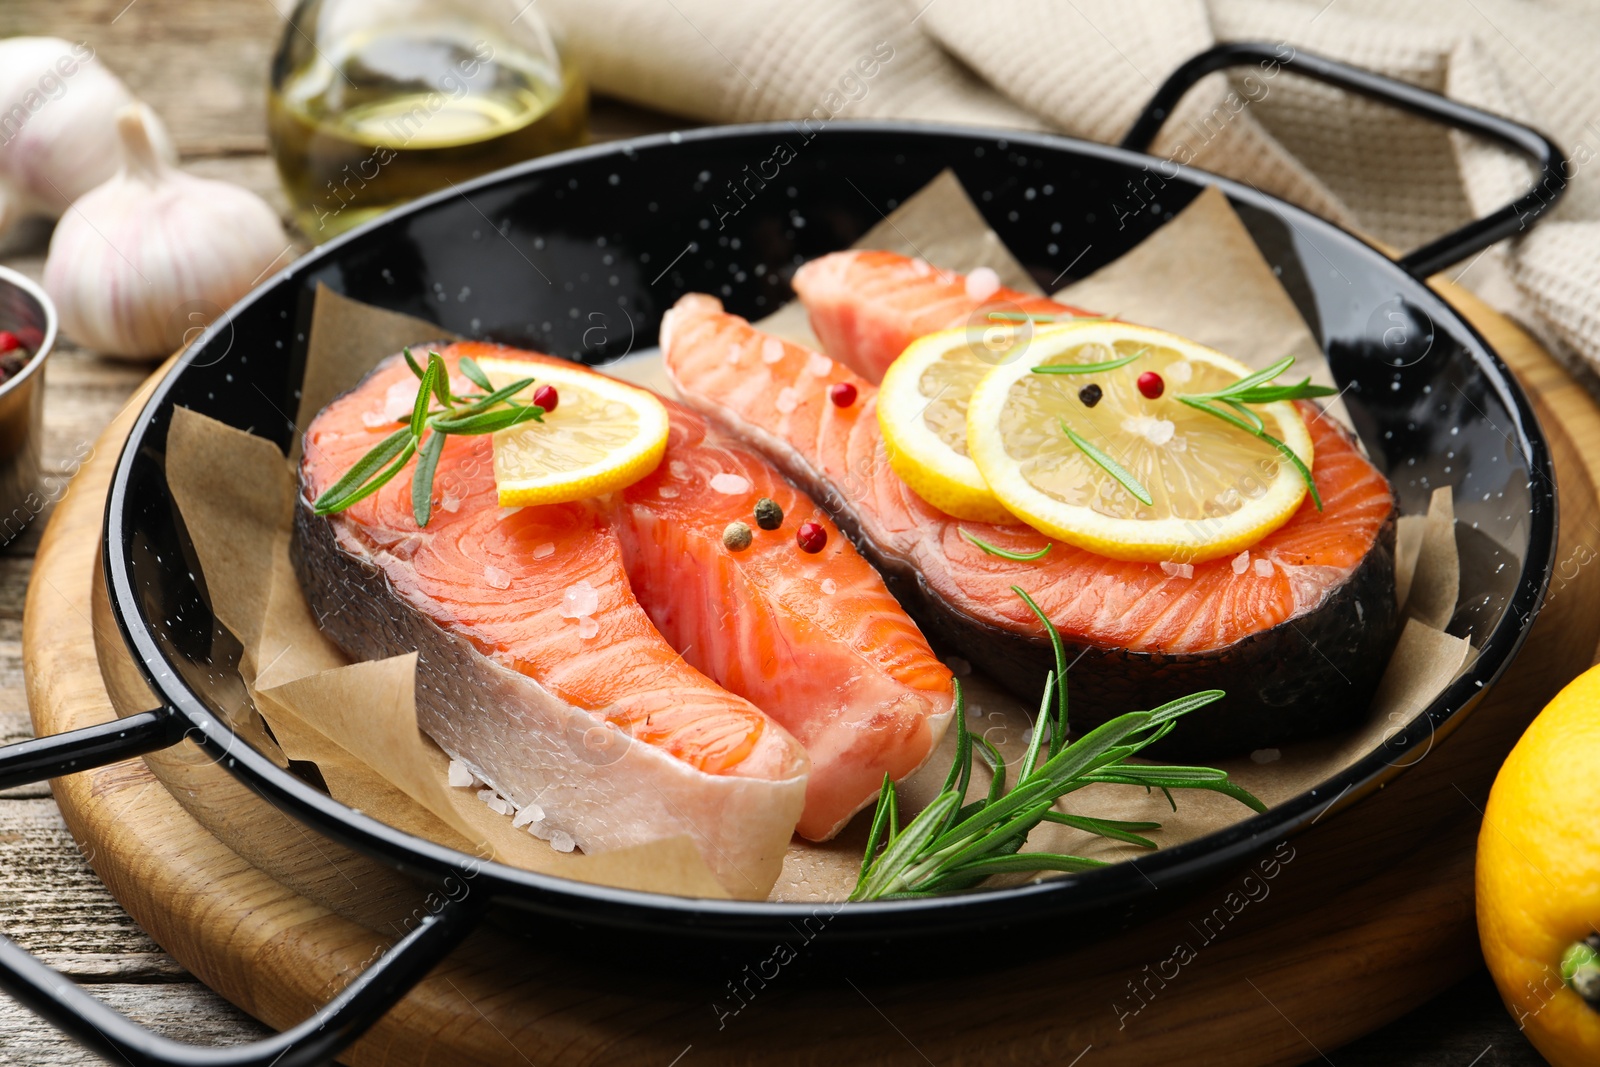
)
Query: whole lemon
[{"x": 1538, "y": 877}]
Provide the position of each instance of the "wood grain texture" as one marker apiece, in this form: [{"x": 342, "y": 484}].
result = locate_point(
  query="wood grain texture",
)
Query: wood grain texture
[{"x": 1287, "y": 978}]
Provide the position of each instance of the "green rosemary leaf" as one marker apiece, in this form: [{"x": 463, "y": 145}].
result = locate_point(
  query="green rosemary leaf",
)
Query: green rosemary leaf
[
  {"x": 1250, "y": 381},
  {"x": 1041, "y": 724},
  {"x": 1299, "y": 465},
  {"x": 1110, "y": 466},
  {"x": 997, "y": 766},
  {"x": 378, "y": 482},
  {"x": 1017, "y": 826},
  {"x": 1184, "y": 705},
  {"x": 880, "y": 816},
  {"x": 957, "y": 777},
  {"x": 1093, "y": 749},
  {"x": 411, "y": 361},
  {"x": 1088, "y": 368},
  {"x": 1268, "y": 394},
  {"x": 1031, "y": 861},
  {"x": 1211, "y": 409},
  {"x": 1018, "y": 557},
  {"x": 991, "y": 814},
  {"x": 422, "y": 479},
  {"x": 498, "y": 396},
  {"x": 1247, "y": 415},
  {"x": 419, "y": 406},
  {"x": 474, "y": 374},
  {"x": 903, "y": 851},
  {"x": 490, "y": 421},
  {"x": 1288, "y": 453},
  {"x": 365, "y": 467},
  {"x": 441, "y": 378},
  {"x": 1113, "y": 829},
  {"x": 1058, "y": 732}
]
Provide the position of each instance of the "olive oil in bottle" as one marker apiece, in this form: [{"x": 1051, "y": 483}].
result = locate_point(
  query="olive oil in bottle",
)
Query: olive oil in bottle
[{"x": 367, "y": 121}]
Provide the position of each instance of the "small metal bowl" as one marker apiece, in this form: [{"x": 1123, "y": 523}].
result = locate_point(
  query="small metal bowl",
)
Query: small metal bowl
[{"x": 26, "y": 311}]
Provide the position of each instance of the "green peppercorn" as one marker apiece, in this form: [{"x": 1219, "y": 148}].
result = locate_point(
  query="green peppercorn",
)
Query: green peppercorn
[
  {"x": 737, "y": 537},
  {"x": 769, "y": 516}
]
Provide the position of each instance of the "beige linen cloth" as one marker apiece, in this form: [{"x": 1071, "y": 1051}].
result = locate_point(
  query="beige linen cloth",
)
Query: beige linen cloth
[{"x": 1086, "y": 67}]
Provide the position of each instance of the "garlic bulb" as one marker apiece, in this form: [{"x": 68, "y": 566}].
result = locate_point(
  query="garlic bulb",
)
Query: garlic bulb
[
  {"x": 143, "y": 261},
  {"x": 58, "y": 126}
]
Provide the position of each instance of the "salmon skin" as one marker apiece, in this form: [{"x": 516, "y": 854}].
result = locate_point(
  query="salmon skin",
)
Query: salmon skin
[
  {"x": 541, "y": 668},
  {"x": 867, "y": 306},
  {"x": 1297, "y": 631}
]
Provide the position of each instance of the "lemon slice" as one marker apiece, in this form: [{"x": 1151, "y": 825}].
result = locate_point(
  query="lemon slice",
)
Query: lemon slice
[
  {"x": 922, "y": 411},
  {"x": 1214, "y": 488},
  {"x": 602, "y": 436}
]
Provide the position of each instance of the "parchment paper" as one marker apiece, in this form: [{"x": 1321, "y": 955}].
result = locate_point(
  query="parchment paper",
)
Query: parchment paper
[{"x": 1199, "y": 275}]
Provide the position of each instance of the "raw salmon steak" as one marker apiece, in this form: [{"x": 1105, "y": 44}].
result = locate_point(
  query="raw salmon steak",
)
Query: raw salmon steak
[
  {"x": 550, "y": 610},
  {"x": 1297, "y": 630},
  {"x": 866, "y": 307},
  {"x": 814, "y": 640}
]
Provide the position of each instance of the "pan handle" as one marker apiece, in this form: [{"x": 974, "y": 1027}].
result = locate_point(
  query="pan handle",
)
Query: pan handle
[
  {"x": 120, "y": 1040},
  {"x": 1433, "y": 257}
]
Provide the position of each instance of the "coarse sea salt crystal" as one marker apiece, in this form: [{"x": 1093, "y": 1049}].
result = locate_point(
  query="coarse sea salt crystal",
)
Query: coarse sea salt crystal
[
  {"x": 667, "y": 492},
  {"x": 546, "y": 549},
  {"x": 1155, "y": 430},
  {"x": 450, "y": 502},
  {"x": 1265, "y": 755},
  {"x": 958, "y": 666},
  {"x": 1263, "y": 568},
  {"x": 1180, "y": 372},
  {"x": 679, "y": 468},
  {"x": 399, "y": 400},
  {"x": 460, "y": 776},
  {"x": 983, "y": 283},
  {"x": 921, "y": 267},
  {"x": 526, "y": 814},
  {"x": 771, "y": 350},
  {"x": 829, "y": 586},
  {"x": 1177, "y": 570},
  {"x": 730, "y": 484},
  {"x": 788, "y": 400},
  {"x": 373, "y": 419},
  {"x": 587, "y": 627},
  {"x": 495, "y": 577},
  {"x": 579, "y": 601},
  {"x": 506, "y": 513},
  {"x": 819, "y": 365},
  {"x": 562, "y": 841},
  {"x": 1241, "y": 561}
]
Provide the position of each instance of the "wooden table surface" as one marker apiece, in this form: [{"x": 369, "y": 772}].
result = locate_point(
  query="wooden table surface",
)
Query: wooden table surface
[{"x": 202, "y": 65}]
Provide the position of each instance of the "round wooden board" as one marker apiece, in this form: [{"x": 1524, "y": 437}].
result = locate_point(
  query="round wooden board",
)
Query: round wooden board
[{"x": 1371, "y": 915}]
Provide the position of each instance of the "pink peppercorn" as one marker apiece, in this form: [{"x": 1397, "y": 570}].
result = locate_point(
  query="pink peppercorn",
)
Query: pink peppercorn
[
  {"x": 1151, "y": 385},
  {"x": 9, "y": 341},
  {"x": 811, "y": 537},
  {"x": 843, "y": 394},
  {"x": 546, "y": 397}
]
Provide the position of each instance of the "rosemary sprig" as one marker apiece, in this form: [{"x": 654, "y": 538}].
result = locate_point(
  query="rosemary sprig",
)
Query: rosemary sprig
[
  {"x": 1109, "y": 465},
  {"x": 424, "y": 434},
  {"x": 950, "y": 845},
  {"x": 1088, "y": 368},
  {"x": 993, "y": 550},
  {"x": 1257, "y": 388}
]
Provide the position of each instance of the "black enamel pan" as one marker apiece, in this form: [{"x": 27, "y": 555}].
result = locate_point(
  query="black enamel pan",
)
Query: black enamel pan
[{"x": 621, "y": 231}]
